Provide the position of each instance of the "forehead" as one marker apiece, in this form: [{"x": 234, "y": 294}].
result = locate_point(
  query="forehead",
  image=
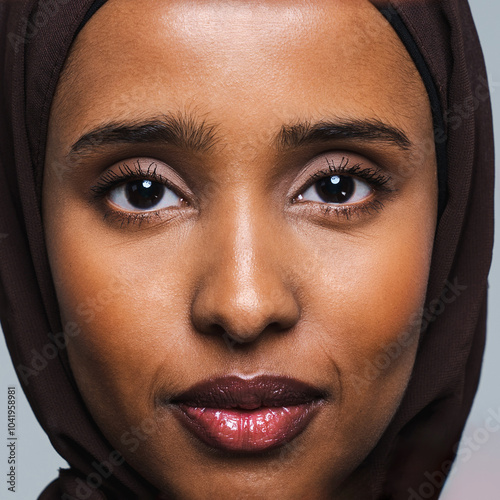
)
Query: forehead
[{"x": 239, "y": 61}]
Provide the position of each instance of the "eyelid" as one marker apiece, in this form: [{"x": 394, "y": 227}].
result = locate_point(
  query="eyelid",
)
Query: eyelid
[
  {"x": 141, "y": 168},
  {"x": 321, "y": 166},
  {"x": 337, "y": 162}
]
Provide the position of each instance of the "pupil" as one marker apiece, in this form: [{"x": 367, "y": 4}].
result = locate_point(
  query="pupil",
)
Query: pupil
[
  {"x": 144, "y": 193},
  {"x": 336, "y": 189}
]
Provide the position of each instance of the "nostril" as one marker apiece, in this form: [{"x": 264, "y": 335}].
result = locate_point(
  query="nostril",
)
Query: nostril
[
  {"x": 232, "y": 340},
  {"x": 240, "y": 307}
]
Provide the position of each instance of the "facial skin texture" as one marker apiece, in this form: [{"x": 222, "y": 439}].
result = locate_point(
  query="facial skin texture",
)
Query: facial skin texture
[{"x": 243, "y": 276}]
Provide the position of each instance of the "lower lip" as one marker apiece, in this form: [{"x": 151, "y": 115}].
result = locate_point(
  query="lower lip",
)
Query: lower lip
[{"x": 247, "y": 430}]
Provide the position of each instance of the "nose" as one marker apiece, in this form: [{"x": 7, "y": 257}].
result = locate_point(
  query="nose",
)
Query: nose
[{"x": 245, "y": 287}]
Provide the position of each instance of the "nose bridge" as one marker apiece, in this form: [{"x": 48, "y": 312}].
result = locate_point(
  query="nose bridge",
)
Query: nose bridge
[
  {"x": 244, "y": 245},
  {"x": 244, "y": 289}
]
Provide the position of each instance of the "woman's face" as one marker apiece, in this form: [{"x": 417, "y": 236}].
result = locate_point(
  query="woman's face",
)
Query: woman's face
[{"x": 241, "y": 188}]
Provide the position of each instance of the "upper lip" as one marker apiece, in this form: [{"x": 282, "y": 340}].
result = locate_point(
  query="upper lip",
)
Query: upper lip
[{"x": 236, "y": 392}]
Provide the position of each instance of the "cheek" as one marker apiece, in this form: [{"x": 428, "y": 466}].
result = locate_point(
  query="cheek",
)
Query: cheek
[
  {"x": 131, "y": 309},
  {"x": 387, "y": 292},
  {"x": 369, "y": 295}
]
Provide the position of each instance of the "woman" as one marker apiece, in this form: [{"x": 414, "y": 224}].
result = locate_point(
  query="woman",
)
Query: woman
[{"x": 260, "y": 235}]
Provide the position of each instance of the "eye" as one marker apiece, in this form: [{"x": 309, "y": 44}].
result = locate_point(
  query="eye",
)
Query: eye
[
  {"x": 337, "y": 189},
  {"x": 143, "y": 195}
]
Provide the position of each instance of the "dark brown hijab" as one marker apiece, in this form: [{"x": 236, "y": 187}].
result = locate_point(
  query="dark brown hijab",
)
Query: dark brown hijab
[{"x": 420, "y": 442}]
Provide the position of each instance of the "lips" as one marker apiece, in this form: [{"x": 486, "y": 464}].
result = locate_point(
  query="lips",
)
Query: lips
[{"x": 248, "y": 415}]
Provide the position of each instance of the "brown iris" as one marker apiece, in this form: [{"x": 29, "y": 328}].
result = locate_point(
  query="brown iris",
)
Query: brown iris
[
  {"x": 143, "y": 193},
  {"x": 336, "y": 189}
]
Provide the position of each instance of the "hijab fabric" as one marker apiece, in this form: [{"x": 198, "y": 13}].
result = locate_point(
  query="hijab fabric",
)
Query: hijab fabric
[{"x": 421, "y": 440}]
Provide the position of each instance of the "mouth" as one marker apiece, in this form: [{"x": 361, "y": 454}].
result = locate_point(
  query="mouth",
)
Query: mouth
[{"x": 248, "y": 415}]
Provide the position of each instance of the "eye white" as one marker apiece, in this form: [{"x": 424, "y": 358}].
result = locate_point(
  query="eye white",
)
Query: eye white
[
  {"x": 356, "y": 190},
  {"x": 143, "y": 195}
]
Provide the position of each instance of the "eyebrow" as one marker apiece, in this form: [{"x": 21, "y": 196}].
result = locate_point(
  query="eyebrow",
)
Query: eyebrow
[
  {"x": 185, "y": 132},
  {"x": 300, "y": 134},
  {"x": 180, "y": 130}
]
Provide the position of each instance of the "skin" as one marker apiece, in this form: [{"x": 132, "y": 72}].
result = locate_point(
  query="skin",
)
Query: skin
[{"x": 237, "y": 278}]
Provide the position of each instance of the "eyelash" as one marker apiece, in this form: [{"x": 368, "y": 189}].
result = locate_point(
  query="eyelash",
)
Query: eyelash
[
  {"x": 378, "y": 181},
  {"x": 126, "y": 173}
]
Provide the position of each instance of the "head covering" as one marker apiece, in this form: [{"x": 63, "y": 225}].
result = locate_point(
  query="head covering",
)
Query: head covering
[{"x": 420, "y": 442}]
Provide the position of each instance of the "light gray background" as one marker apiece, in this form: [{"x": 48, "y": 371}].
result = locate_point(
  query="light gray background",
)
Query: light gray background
[{"x": 476, "y": 474}]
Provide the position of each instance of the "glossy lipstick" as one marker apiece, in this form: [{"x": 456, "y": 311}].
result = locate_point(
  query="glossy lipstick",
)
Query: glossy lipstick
[{"x": 248, "y": 415}]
